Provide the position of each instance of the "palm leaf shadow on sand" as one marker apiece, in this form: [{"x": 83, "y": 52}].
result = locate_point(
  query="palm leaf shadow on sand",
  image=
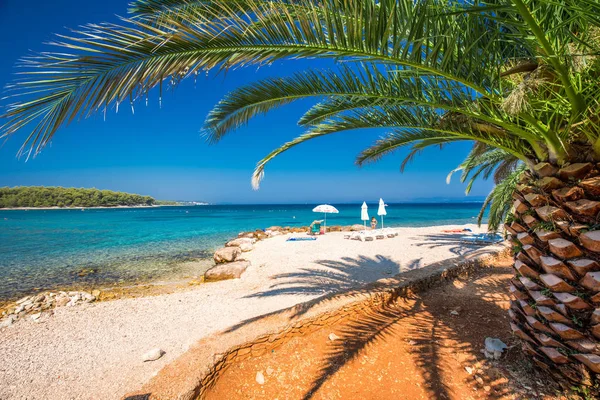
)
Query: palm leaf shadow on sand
[
  {"x": 431, "y": 333},
  {"x": 348, "y": 276},
  {"x": 455, "y": 242}
]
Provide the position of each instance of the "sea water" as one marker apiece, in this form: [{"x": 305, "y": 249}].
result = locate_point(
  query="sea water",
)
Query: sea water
[{"x": 49, "y": 249}]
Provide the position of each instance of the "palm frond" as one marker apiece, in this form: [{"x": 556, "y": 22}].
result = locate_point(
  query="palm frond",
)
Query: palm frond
[
  {"x": 107, "y": 64},
  {"x": 500, "y": 200}
]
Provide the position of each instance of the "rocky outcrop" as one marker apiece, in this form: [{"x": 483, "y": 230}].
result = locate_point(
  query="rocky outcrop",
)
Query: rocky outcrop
[
  {"x": 240, "y": 241},
  {"x": 227, "y": 254},
  {"x": 42, "y": 304},
  {"x": 232, "y": 270}
]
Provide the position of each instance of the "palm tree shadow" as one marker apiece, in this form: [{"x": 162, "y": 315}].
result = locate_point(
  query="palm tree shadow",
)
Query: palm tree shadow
[
  {"x": 433, "y": 333},
  {"x": 454, "y": 241},
  {"x": 356, "y": 336},
  {"x": 334, "y": 276}
]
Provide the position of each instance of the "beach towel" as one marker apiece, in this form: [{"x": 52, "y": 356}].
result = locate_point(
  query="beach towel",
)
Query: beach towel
[{"x": 300, "y": 239}]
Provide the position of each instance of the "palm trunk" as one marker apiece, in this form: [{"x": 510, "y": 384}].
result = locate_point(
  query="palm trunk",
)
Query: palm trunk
[{"x": 556, "y": 235}]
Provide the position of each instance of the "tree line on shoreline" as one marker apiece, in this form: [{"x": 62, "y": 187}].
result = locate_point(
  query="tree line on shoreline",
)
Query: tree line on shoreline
[{"x": 41, "y": 196}]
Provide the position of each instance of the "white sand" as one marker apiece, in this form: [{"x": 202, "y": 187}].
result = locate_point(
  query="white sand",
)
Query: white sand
[{"x": 94, "y": 351}]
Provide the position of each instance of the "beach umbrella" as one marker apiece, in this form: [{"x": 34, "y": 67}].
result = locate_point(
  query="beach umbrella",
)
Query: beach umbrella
[
  {"x": 364, "y": 214},
  {"x": 381, "y": 211},
  {"x": 325, "y": 209}
]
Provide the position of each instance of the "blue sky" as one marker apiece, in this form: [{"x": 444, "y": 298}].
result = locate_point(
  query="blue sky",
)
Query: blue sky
[{"x": 159, "y": 151}]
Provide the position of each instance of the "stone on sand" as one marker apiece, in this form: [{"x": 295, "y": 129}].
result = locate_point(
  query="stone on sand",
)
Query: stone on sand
[
  {"x": 232, "y": 270},
  {"x": 227, "y": 254},
  {"x": 153, "y": 355}
]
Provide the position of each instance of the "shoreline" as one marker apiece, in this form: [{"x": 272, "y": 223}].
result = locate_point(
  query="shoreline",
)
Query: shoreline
[
  {"x": 168, "y": 284},
  {"x": 87, "y": 208}
]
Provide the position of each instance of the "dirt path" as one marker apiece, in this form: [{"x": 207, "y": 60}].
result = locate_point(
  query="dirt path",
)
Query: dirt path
[{"x": 416, "y": 348}]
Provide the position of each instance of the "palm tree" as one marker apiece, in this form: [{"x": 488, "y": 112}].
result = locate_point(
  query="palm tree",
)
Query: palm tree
[
  {"x": 482, "y": 162},
  {"x": 516, "y": 75}
]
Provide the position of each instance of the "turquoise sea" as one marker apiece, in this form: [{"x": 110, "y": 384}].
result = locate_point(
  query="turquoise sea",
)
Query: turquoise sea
[{"x": 46, "y": 249}]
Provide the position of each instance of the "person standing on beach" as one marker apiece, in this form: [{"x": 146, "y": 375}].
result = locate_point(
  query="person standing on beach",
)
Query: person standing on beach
[{"x": 373, "y": 223}]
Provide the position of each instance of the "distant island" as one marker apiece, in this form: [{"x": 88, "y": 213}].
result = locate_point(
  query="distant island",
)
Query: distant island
[{"x": 45, "y": 197}]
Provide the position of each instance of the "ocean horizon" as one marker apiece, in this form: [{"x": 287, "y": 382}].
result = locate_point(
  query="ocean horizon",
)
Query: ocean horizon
[{"x": 50, "y": 249}]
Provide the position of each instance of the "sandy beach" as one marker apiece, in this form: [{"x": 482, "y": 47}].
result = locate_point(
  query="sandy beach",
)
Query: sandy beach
[{"x": 94, "y": 351}]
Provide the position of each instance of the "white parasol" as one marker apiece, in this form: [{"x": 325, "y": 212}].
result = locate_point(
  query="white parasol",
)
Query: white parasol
[
  {"x": 381, "y": 211},
  {"x": 364, "y": 214},
  {"x": 325, "y": 209}
]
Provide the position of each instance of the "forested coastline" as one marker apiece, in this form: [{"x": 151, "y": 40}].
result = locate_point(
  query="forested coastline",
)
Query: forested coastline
[{"x": 41, "y": 196}]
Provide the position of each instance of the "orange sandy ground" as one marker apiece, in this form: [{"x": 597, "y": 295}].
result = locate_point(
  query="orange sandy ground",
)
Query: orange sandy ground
[{"x": 414, "y": 348}]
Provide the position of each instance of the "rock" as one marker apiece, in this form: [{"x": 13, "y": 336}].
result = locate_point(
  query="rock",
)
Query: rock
[
  {"x": 227, "y": 254},
  {"x": 87, "y": 297},
  {"x": 152, "y": 355},
  {"x": 357, "y": 228},
  {"x": 260, "y": 378},
  {"x": 245, "y": 247},
  {"x": 96, "y": 293},
  {"x": 269, "y": 371},
  {"x": 469, "y": 370},
  {"x": 332, "y": 336},
  {"x": 240, "y": 241},
  {"x": 8, "y": 321},
  {"x": 487, "y": 388},
  {"x": 232, "y": 270},
  {"x": 453, "y": 312},
  {"x": 35, "y": 317},
  {"x": 495, "y": 347},
  {"x": 62, "y": 301},
  {"x": 23, "y": 300}
]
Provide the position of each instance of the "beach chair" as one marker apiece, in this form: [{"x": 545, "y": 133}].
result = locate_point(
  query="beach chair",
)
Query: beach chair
[{"x": 315, "y": 228}]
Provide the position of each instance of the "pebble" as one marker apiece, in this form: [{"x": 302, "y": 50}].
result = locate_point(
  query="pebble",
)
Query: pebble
[
  {"x": 333, "y": 336},
  {"x": 479, "y": 380},
  {"x": 34, "y": 305},
  {"x": 260, "y": 378},
  {"x": 153, "y": 355},
  {"x": 469, "y": 370},
  {"x": 487, "y": 388},
  {"x": 454, "y": 312},
  {"x": 270, "y": 371},
  {"x": 8, "y": 321}
]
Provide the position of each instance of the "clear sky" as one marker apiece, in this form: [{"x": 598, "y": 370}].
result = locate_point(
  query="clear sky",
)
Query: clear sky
[{"x": 159, "y": 151}]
